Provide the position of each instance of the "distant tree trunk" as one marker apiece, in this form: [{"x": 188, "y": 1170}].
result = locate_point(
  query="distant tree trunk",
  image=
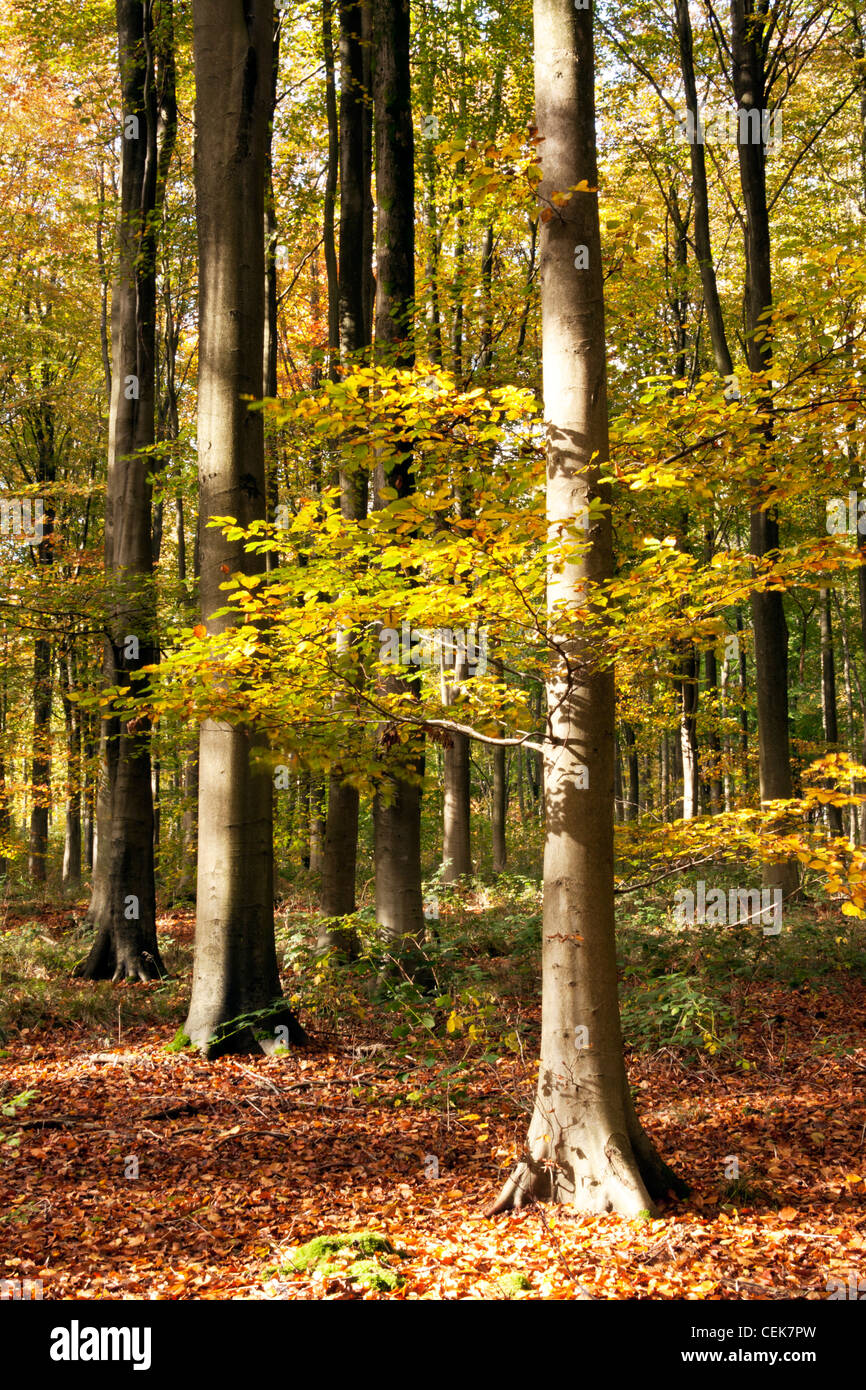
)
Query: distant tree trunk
[
  {"x": 689, "y": 732},
  {"x": 43, "y": 667},
  {"x": 5, "y": 815},
  {"x": 40, "y": 774},
  {"x": 235, "y": 972},
  {"x": 665, "y": 776},
  {"x": 854, "y": 788},
  {"x": 828, "y": 698},
  {"x": 185, "y": 890},
  {"x": 396, "y": 809},
  {"x": 340, "y": 848},
  {"x": 748, "y": 34},
  {"x": 703, "y": 245},
  {"x": 498, "y": 819},
  {"x": 317, "y": 822},
  {"x": 91, "y": 744},
  {"x": 585, "y": 1145},
  {"x": 431, "y": 212},
  {"x": 72, "y": 720},
  {"x": 331, "y": 178},
  {"x": 711, "y": 675},
  {"x": 456, "y": 840},
  {"x": 744, "y": 708},
  {"x": 123, "y": 901},
  {"x": 632, "y": 805}
]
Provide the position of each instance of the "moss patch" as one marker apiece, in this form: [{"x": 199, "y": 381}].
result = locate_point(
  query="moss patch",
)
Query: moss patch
[
  {"x": 512, "y": 1284},
  {"x": 371, "y": 1275},
  {"x": 336, "y": 1257},
  {"x": 318, "y": 1250}
]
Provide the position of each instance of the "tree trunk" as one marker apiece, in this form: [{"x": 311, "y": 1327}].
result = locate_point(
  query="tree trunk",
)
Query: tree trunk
[
  {"x": 457, "y": 787},
  {"x": 689, "y": 733},
  {"x": 585, "y": 1144},
  {"x": 711, "y": 675},
  {"x": 828, "y": 698},
  {"x": 91, "y": 744},
  {"x": 5, "y": 814},
  {"x": 72, "y": 720},
  {"x": 632, "y": 805},
  {"x": 123, "y": 900},
  {"x": 40, "y": 773},
  {"x": 235, "y": 973},
  {"x": 768, "y": 613},
  {"x": 397, "y": 808},
  {"x": 703, "y": 245},
  {"x": 340, "y": 847},
  {"x": 500, "y": 809}
]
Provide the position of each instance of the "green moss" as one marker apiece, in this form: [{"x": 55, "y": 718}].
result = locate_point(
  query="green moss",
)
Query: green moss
[
  {"x": 178, "y": 1042},
  {"x": 371, "y": 1275},
  {"x": 512, "y": 1284},
  {"x": 317, "y": 1250}
]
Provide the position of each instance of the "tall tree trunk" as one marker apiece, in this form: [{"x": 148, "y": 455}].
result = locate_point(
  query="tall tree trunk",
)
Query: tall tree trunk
[
  {"x": 585, "y": 1145},
  {"x": 123, "y": 901},
  {"x": 185, "y": 890},
  {"x": 331, "y": 178},
  {"x": 703, "y": 245},
  {"x": 340, "y": 847},
  {"x": 397, "y": 808},
  {"x": 748, "y": 29},
  {"x": 235, "y": 972}
]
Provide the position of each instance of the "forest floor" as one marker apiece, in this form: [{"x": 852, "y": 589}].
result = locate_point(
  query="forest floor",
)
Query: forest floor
[{"x": 131, "y": 1171}]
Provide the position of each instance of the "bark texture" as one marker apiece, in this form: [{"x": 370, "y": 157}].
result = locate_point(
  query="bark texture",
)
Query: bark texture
[
  {"x": 585, "y": 1144},
  {"x": 123, "y": 900},
  {"x": 236, "y": 1003}
]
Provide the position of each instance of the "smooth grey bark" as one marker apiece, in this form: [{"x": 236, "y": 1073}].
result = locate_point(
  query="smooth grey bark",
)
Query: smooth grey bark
[
  {"x": 236, "y": 1003},
  {"x": 340, "y": 845},
  {"x": 748, "y": 36},
  {"x": 585, "y": 1144},
  {"x": 397, "y": 806},
  {"x": 123, "y": 898}
]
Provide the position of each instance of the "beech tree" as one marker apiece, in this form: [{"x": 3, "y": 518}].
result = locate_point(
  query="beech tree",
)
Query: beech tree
[
  {"x": 396, "y": 810},
  {"x": 236, "y": 1003},
  {"x": 354, "y": 331},
  {"x": 123, "y": 901},
  {"x": 585, "y": 1145}
]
